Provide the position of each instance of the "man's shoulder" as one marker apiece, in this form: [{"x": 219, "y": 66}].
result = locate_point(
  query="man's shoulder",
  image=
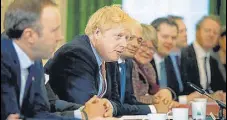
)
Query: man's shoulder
[
  {"x": 188, "y": 51},
  {"x": 74, "y": 53},
  {"x": 6, "y": 57},
  {"x": 80, "y": 45},
  {"x": 6, "y": 65}
]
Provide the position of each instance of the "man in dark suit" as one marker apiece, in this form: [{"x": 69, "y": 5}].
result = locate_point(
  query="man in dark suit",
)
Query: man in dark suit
[
  {"x": 62, "y": 107},
  {"x": 78, "y": 67},
  {"x": 167, "y": 31},
  {"x": 31, "y": 38},
  {"x": 172, "y": 61},
  {"x": 197, "y": 66}
]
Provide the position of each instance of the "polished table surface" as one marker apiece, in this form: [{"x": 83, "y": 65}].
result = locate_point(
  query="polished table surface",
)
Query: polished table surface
[{"x": 211, "y": 108}]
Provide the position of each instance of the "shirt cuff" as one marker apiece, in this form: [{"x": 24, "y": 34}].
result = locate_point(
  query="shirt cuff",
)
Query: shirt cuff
[
  {"x": 153, "y": 109},
  {"x": 183, "y": 99},
  {"x": 77, "y": 114}
]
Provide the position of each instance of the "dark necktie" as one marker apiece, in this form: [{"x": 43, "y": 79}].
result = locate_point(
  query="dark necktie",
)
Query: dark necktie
[
  {"x": 177, "y": 71},
  {"x": 123, "y": 81},
  {"x": 30, "y": 76},
  {"x": 178, "y": 61},
  {"x": 29, "y": 80},
  {"x": 208, "y": 89}
]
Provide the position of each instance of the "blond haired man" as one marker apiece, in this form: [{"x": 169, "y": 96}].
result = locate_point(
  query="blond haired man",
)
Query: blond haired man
[{"x": 77, "y": 70}]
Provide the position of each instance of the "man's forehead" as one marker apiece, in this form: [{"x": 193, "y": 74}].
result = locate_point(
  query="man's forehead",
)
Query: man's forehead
[
  {"x": 180, "y": 24},
  {"x": 207, "y": 23},
  {"x": 165, "y": 26},
  {"x": 50, "y": 12},
  {"x": 137, "y": 33},
  {"x": 50, "y": 17},
  {"x": 168, "y": 30}
]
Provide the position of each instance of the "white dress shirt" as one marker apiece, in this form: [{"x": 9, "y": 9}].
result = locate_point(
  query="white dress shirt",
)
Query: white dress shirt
[
  {"x": 158, "y": 59},
  {"x": 25, "y": 62},
  {"x": 200, "y": 57}
]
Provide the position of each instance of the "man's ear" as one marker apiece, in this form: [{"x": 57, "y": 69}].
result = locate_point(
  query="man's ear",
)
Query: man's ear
[
  {"x": 28, "y": 34},
  {"x": 97, "y": 33}
]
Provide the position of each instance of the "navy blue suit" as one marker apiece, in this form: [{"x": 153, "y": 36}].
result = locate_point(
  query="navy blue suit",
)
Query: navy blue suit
[
  {"x": 35, "y": 103},
  {"x": 74, "y": 73},
  {"x": 171, "y": 76},
  {"x": 130, "y": 104}
]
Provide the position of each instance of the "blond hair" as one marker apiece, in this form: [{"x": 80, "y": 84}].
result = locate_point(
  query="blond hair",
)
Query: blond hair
[
  {"x": 149, "y": 33},
  {"x": 108, "y": 17}
]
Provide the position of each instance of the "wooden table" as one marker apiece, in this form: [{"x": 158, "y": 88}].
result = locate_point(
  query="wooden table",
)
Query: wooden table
[{"x": 211, "y": 108}]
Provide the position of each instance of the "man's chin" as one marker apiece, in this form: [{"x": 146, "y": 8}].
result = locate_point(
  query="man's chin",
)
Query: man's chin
[{"x": 113, "y": 58}]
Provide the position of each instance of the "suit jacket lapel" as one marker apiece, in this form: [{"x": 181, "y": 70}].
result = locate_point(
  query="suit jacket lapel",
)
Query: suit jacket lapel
[
  {"x": 36, "y": 74},
  {"x": 156, "y": 73},
  {"x": 194, "y": 65},
  {"x": 171, "y": 76},
  {"x": 8, "y": 47},
  {"x": 88, "y": 45},
  {"x": 129, "y": 67}
]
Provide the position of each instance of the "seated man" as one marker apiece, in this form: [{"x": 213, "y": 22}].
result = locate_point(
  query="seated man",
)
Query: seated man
[
  {"x": 172, "y": 61},
  {"x": 123, "y": 72},
  {"x": 64, "y": 108},
  {"x": 78, "y": 67},
  {"x": 197, "y": 66},
  {"x": 167, "y": 32},
  {"x": 29, "y": 39}
]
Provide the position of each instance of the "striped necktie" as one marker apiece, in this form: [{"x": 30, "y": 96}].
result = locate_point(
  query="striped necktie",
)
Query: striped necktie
[
  {"x": 208, "y": 88},
  {"x": 104, "y": 84}
]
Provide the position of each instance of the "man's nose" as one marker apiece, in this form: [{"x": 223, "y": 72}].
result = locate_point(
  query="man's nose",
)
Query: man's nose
[{"x": 124, "y": 43}]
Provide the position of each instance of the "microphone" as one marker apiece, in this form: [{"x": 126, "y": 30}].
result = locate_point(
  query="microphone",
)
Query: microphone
[{"x": 201, "y": 91}]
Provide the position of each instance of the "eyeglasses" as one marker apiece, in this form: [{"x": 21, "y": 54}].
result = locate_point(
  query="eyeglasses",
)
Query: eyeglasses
[{"x": 152, "y": 48}]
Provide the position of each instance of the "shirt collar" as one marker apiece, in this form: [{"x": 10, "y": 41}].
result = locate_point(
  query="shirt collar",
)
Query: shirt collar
[
  {"x": 200, "y": 52},
  {"x": 97, "y": 56},
  {"x": 25, "y": 61},
  {"x": 158, "y": 59},
  {"x": 175, "y": 53},
  {"x": 120, "y": 60}
]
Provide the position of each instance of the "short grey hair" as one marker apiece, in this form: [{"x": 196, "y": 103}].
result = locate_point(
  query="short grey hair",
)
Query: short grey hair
[
  {"x": 23, "y": 14},
  {"x": 212, "y": 17}
]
